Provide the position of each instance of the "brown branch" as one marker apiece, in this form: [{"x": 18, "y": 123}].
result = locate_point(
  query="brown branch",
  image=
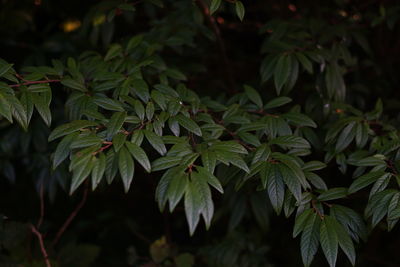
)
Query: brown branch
[
  {"x": 72, "y": 215},
  {"x": 41, "y": 207},
  {"x": 211, "y": 20},
  {"x": 42, "y": 247},
  {"x": 34, "y": 82}
]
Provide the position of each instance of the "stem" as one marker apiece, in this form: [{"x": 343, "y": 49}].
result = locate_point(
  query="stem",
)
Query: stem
[
  {"x": 42, "y": 247},
  {"x": 228, "y": 70},
  {"x": 41, "y": 207},
  {"x": 316, "y": 209},
  {"x": 72, "y": 215},
  {"x": 34, "y": 82}
]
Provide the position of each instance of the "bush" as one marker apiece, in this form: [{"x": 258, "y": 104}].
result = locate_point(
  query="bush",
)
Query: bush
[{"x": 225, "y": 112}]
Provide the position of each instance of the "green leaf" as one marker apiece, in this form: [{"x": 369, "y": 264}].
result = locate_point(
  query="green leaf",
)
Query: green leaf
[
  {"x": 276, "y": 188},
  {"x": 156, "y": 142},
  {"x": 134, "y": 42},
  {"x": 188, "y": 124},
  {"x": 42, "y": 104},
  {"x": 305, "y": 62},
  {"x": 165, "y": 163},
  {"x": 19, "y": 112},
  {"x": 70, "y": 128},
  {"x": 209, "y": 160},
  {"x": 126, "y": 167},
  {"x": 291, "y": 141},
  {"x": 207, "y": 211},
  {"x": 114, "y": 51},
  {"x": 140, "y": 155},
  {"x": 74, "y": 84},
  {"x": 86, "y": 141},
  {"x": 229, "y": 146},
  {"x": 333, "y": 193},
  {"x": 108, "y": 103},
  {"x": 5, "y": 108},
  {"x": 314, "y": 165},
  {"x": 370, "y": 161},
  {"x": 277, "y": 102},
  {"x": 118, "y": 141},
  {"x": 81, "y": 164},
  {"x": 211, "y": 179},
  {"x": 115, "y": 123},
  {"x": 176, "y": 189},
  {"x": 149, "y": 110},
  {"x": 239, "y": 10},
  {"x": 253, "y": 95},
  {"x": 214, "y": 6},
  {"x": 99, "y": 168},
  {"x": 194, "y": 204},
  {"x": 282, "y": 71},
  {"x": 365, "y": 180},
  {"x": 141, "y": 89},
  {"x": 139, "y": 109},
  {"x": 299, "y": 119},
  {"x": 63, "y": 149},
  {"x": 329, "y": 240},
  {"x": 345, "y": 242},
  {"x": 301, "y": 222},
  {"x": 4, "y": 68},
  {"x": 310, "y": 239},
  {"x": 345, "y": 137},
  {"x": 290, "y": 180}
]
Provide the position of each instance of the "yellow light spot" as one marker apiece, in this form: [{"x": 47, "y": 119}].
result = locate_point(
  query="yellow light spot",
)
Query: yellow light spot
[
  {"x": 71, "y": 25},
  {"x": 343, "y": 13},
  {"x": 100, "y": 19}
]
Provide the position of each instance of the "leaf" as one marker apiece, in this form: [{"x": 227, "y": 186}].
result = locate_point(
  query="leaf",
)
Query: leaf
[
  {"x": 5, "y": 108},
  {"x": 81, "y": 165},
  {"x": 329, "y": 240},
  {"x": 140, "y": 155},
  {"x": 208, "y": 159},
  {"x": 114, "y": 51},
  {"x": 188, "y": 124},
  {"x": 299, "y": 119},
  {"x": 162, "y": 187},
  {"x": 310, "y": 239},
  {"x": 193, "y": 205},
  {"x": 139, "y": 109},
  {"x": 345, "y": 137},
  {"x": 290, "y": 180},
  {"x": 126, "y": 167},
  {"x": 118, "y": 141},
  {"x": 370, "y": 161},
  {"x": 291, "y": 141},
  {"x": 229, "y": 146},
  {"x": 99, "y": 168},
  {"x": 149, "y": 110},
  {"x": 70, "y": 128},
  {"x": 74, "y": 84},
  {"x": 345, "y": 242},
  {"x": 207, "y": 211},
  {"x": 276, "y": 188},
  {"x": 107, "y": 103},
  {"x": 115, "y": 123},
  {"x": 364, "y": 181},
  {"x": 282, "y": 71},
  {"x": 165, "y": 163},
  {"x": 156, "y": 142},
  {"x": 19, "y": 112},
  {"x": 253, "y": 95},
  {"x": 301, "y": 222},
  {"x": 277, "y": 102},
  {"x": 176, "y": 189},
  {"x": 211, "y": 179},
  {"x": 141, "y": 89},
  {"x": 42, "y": 104},
  {"x": 333, "y": 193},
  {"x": 214, "y": 6},
  {"x": 239, "y": 10},
  {"x": 314, "y": 165},
  {"x": 63, "y": 149},
  {"x": 305, "y": 62}
]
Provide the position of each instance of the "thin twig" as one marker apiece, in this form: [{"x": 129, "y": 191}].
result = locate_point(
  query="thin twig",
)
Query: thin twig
[
  {"x": 72, "y": 215},
  {"x": 42, "y": 247},
  {"x": 39, "y": 223},
  {"x": 34, "y": 82},
  {"x": 221, "y": 44}
]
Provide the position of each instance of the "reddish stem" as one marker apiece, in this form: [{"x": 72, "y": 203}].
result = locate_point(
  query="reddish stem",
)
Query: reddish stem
[
  {"x": 34, "y": 82},
  {"x": 42, "y": 247}
]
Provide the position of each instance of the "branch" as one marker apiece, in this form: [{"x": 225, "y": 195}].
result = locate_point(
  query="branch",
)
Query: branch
[
  {"x": 214, "y": 26},
  {"x": 34, "y": 82},
  {"x": 42, "y": 248},
  {"x": 41, "y": 207},
  {"x": 72, "y": 215}
]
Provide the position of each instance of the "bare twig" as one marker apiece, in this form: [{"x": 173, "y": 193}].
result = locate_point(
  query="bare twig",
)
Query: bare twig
[
  {"x": 72, "y": 215},
  {"x": 41, "y": 206},
  {"x": 228, "y": 69},
  {"x": 42, "y": 247}
]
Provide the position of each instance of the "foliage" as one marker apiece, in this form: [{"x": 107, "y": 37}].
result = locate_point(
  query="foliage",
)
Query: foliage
[{"x": 305, "y": 136}]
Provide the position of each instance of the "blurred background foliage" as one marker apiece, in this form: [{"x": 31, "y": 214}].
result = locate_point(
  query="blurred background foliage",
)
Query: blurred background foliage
[{"x": 117, "y": 229}]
